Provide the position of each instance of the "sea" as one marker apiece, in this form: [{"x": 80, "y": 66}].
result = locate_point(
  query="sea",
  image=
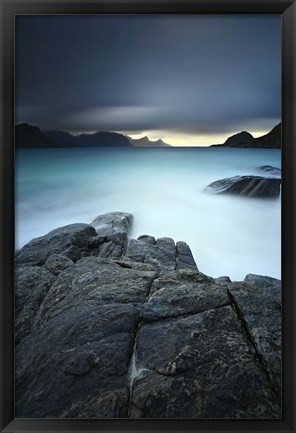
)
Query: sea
[{"x": 163, "y": 188}]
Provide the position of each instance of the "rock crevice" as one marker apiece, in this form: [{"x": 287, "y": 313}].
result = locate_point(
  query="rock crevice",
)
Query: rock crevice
[{"x": 259, "y": 356}]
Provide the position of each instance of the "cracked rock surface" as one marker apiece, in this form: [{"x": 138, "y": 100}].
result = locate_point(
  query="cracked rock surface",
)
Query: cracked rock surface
[
  {"x": 108, "y": 327},
  {"x": 200, "y": 366}
]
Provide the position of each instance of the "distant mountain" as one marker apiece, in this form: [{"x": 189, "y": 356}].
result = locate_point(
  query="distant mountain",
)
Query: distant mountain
[
  {"x": 272, "y": 140},
  {"x": 103, "y": 139},
  {"x": 30, "y": 136},
  {"x": 27, "y": 136},
  {"x": 62, "y": 138},
  {"x": 98, "y": 139},
  {"x": 145, "y": 142},
  {"x": 239, "y": 139}
]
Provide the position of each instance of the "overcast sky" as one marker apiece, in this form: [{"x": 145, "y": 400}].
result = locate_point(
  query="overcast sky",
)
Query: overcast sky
[{"x": 189, "y": 79}]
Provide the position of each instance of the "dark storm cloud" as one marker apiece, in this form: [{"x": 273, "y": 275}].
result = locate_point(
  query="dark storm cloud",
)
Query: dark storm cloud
[{"x": 196, "y": 74}]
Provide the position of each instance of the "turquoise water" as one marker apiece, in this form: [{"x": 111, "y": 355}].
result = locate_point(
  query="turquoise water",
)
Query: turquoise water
[{"x": 163, "y": 189}]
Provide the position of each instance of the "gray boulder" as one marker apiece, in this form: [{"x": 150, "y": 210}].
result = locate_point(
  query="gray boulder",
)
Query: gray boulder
[
  {"x": 248, "y": 186},
  {"x": 111, "y": 228},
  {"x": 58, "y": 241}
]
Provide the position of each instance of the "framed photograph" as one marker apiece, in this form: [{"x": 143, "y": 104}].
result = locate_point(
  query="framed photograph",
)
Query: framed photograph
[{"x": 147, "y": 216}]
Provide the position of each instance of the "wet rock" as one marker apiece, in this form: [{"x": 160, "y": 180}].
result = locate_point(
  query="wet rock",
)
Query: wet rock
[
  {"x": 79, "y": 363},
  {"x": 178, "y": 295},
  {"x": 184, "y": 258},
  {"x": 223, "y": 280},
  {"x": 73, "y": 253},
  {"x": 31, "y": 286},
  {"x": 107, "y": 330},
  {"x": 114, "y": 227},
  {"x": 259, "y": 305},
  {"x": 162, "y": 253},
  {"x": 148, "y": 239},
  {"x": 57, "y": 263},
  {"x": 137, "y": 250},
  {"x": 270, "y": 170},
  {"x": 201, "y": 366},
  {"x": 96, "y": 241},
  {"x": 188, "y": 275},
  {"x": 109, "y": 404},
  {"x": 95, "y": 281},
  {"x": 110, "y": 250},
  {"x": 262, "y": 280},
  {"x": 249, "y": 186},
  {"x": 38, "y": 250}
]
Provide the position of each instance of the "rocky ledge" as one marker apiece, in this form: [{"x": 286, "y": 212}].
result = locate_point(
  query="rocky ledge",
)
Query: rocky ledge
[{"x": 107, "y": 327}]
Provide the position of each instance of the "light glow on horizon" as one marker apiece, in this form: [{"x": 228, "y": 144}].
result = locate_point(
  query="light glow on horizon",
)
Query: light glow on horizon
[{"x": 189, "y": 140}]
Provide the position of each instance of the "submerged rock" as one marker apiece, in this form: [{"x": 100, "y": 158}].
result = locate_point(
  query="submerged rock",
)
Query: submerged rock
[
  {"x": 133, "y": 329},
  {"x": 249, "y": 186},
  {"x": 270, "y": 170}
]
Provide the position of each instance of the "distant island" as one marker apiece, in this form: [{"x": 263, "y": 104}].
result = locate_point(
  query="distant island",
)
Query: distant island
[
  {"x": 271, "y": 140},
  {"x": 30, "y": 136},
  {"x": 145, "y": 142}
]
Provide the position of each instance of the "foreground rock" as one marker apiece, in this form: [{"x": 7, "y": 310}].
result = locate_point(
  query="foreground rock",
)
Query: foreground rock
[
  {"x": 111, "y": 239},
  {"x": 141, "y": 333},
  {"x": 260, "y": 312},
  {"x": 249, "y": 186},
  {"x": 211, "y": 372}
]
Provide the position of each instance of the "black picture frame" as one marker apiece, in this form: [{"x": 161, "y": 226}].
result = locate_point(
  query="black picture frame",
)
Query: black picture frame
[{"x": 287, "y": 9}]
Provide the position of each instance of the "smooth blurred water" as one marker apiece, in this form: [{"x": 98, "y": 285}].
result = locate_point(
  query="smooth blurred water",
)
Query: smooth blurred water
[{"x": 163, "y": 189}]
